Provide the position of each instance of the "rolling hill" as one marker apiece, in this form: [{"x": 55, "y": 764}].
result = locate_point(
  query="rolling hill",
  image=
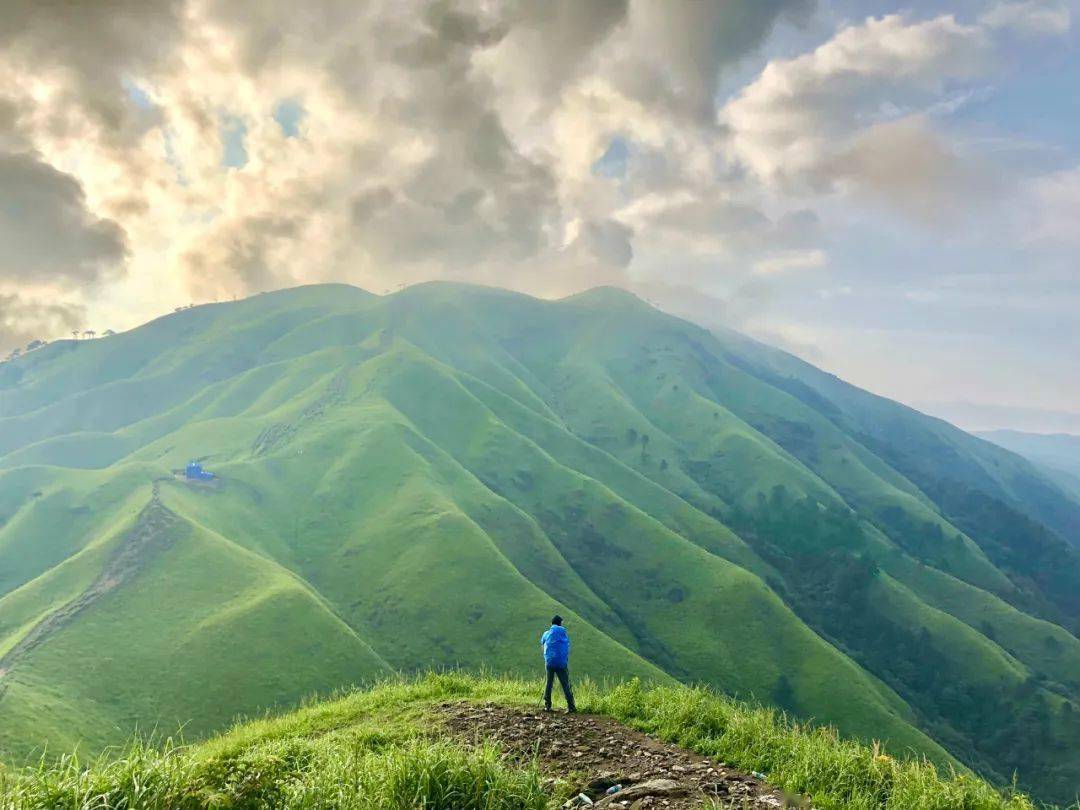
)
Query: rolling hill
[{"x": 419, "y": 480}]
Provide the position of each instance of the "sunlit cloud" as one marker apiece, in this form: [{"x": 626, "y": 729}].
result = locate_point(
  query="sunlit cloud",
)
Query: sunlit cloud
[{"x": 175, "y": 151}]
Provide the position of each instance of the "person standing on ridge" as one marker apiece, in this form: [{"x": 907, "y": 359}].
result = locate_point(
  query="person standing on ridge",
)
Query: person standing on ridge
[{"x": 556, "y": 644}]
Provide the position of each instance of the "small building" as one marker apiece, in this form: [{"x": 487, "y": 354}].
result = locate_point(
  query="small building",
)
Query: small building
[{"x": 195, "y": 472}]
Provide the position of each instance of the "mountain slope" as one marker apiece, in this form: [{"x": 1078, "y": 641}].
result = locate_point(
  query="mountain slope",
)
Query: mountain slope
[
  {"x": 1057, "y": 453},
  {"x": 422, "y": 479}
]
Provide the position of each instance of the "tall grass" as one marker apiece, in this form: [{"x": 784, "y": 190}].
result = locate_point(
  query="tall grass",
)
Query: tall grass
[
  {"x": 380, "y": 748},
  {"x": 340, "y": 772},
  {"x": 809, "y": 760}
]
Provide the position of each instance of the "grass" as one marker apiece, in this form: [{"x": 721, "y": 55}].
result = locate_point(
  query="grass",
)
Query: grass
[
  {"x": 378, "y": 748},
  {"x": 420, "y": 480},
  {"x": 347, "y": 771},
  {"x": 813, "y": 761}
]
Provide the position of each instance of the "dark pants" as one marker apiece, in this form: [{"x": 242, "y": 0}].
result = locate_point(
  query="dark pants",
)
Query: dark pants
[{"x": 564, "y": 681}]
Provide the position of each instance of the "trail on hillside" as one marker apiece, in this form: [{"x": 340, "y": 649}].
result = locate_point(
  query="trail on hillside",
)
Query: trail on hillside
[
  {"x": 595, "y": 752},
  {"x": 149, "y": 535}
]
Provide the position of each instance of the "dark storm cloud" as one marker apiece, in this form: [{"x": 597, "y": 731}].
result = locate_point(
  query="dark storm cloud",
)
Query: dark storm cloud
[{"x": 46, "y": 231}]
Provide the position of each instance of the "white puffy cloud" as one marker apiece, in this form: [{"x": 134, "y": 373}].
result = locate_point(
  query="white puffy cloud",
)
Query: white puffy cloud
[
  {"x": 862, "y": 113},
  {"x": 458, "y": 139},
  {"x": 438, "y": 140},
  {"x": 791, "y": 124}
]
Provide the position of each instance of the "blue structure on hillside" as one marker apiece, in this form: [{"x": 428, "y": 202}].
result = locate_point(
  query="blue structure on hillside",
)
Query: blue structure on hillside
[{"x": 195, "y": 472}]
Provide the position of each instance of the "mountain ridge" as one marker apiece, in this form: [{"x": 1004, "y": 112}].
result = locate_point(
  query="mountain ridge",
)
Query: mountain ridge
[{"x": 438, "y": 469}]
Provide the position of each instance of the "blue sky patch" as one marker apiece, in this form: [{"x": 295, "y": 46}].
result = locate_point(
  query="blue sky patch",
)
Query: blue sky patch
[
  {"x": 289, "y": 114},
  {"x": 233, "y": 132},
  {"x": 137, "y": 95},
  {"x": 613, "y": 162}
]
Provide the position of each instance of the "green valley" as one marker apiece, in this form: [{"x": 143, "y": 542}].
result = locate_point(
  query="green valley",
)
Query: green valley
[{"x": 419, "y": 480}]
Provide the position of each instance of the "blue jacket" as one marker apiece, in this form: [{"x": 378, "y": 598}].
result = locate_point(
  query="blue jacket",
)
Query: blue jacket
[{"x": 556, "y": 647}]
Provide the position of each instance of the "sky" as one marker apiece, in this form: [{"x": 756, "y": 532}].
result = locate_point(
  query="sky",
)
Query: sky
[{"x": 891, "y": 192}]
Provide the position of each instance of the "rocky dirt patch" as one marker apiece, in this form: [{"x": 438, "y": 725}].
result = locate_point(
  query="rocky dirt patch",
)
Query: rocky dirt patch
[{"x": 594, "y": 753}]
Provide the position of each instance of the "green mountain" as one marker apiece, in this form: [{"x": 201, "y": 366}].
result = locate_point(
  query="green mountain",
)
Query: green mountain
[
  {"x": 422, "y": 479},
  {"x": 1057, "y": 453}
]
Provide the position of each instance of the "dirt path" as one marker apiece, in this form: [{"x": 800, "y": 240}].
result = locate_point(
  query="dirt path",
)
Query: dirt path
[
  {"x": 150, "y": 534},
  {"x": 596, "y": 752}
]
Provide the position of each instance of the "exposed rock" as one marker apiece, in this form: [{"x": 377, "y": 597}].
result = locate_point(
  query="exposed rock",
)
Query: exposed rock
[{"x": 652, "y": 787}]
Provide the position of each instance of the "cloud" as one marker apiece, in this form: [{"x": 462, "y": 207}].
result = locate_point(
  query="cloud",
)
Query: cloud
[
  {"x": 865, "y": 114},
  {"x": 791, "y": 123},
  {"x": 535, "y": 29},
  {"x": 46, "y": 231},
  {"x": 440, "y": 139},
  {"x": 23, "y": 320},
  {"x": 221, "y": 147},
  {"x": 606, "y": 242},
  {"x": 83, "y": 50},
  {"x": 240, "y": 257},
  {"x": 790, "y": 260},
  {"x": 724, "y": 236},
  {"x": 434, "y": 142},
  {"x": 675, "y": 52},
  {"x": 912, "y": 168},
  {"x": 1029, "y": 16}
]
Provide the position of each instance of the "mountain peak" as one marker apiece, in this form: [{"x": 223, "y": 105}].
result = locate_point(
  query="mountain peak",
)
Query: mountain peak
[{"x": 403, "y": 479}]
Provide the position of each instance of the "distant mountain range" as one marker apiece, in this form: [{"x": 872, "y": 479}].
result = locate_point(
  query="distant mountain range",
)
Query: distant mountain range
[
  {"x": 979, "y": 418},
  {"x": 422, "y": 479},
  {"x": 1058, "y": 453}
]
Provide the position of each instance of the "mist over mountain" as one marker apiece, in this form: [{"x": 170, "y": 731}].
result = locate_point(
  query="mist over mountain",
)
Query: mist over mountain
[
  {"x": 982, "y": 419},
  {"x": 1057, "y": 453},
  {"x": 421, "y": 479}
]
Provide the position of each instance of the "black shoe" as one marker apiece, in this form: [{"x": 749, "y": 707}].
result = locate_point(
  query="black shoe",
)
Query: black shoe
[
  {"x": 548, "y": 709},
  {"x": 571, "y": 710}
]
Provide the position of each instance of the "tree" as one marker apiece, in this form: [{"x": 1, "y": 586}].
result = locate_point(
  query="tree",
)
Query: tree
[
  {"x": 14, "y": 353},
  {"x": 89, "y": 333},
  {"x": 108, "y": 333},
  {"x": 75, "y": 333},
  {"x": 34, "y": 344}
]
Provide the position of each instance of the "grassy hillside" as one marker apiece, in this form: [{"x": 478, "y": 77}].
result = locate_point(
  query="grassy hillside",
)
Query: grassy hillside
[
  {"x": 422, "y": 479},
  {"x": 386, "y": 747}
]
